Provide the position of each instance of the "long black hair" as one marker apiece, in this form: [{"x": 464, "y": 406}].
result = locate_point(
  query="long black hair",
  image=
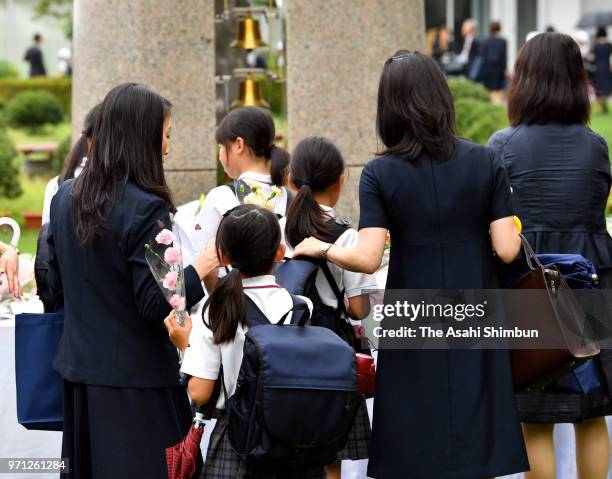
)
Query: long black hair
[
  {"x": 249, "y": 236},
  {"x": 81, "y": 147},
  {"x": 316, "y": 164},
  {"x": 256, "y": 127},
  {"x": 549, "y": 84},
  {"x": 415, "y": 108},
  {"x": 127, "y": 145}
]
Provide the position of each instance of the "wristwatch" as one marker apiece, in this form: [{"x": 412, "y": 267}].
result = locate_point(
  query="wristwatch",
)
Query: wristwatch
[{"x": 325, "y": 248}]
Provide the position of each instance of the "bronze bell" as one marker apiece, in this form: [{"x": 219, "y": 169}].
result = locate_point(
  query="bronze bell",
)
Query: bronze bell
[
  {"x": 249, "y": 36},
  {"x": 249, "y": 94}
]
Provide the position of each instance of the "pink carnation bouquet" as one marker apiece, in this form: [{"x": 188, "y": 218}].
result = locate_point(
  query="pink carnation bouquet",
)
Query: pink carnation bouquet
[{"x": 165, "y": 260}]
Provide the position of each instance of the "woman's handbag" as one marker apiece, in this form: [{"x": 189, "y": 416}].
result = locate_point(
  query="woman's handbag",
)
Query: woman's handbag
[
  {"x": 558, "y": 313},
  {"x": 39, "y": 386}
]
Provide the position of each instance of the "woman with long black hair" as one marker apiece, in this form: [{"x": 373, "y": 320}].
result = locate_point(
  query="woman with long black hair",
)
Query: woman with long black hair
[
  {"x": 123, "y": 404},
  {"x": 437, "y": 413}
]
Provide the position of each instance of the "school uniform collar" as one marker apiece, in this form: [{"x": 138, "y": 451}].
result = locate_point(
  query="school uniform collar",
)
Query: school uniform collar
[
  {"x": 328, "y": 210},
  {"x": 259, "y": 177},
  {"x": 264, "y": 280}
]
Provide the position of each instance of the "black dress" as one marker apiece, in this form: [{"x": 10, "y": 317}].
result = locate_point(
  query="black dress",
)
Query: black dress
[
  {"x": 122, "y": 401},
  {"x": 443, "y": 414},
  {"x": 603, "y": 76},
  {"x": 494, "y": 59},
  {"x": 560, "y": 175}
]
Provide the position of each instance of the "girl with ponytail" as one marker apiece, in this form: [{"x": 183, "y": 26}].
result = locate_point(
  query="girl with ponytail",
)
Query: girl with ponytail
[
  {"x": 248, "y": 239},
  {"x": 317, "y": 172},
  {"x": 248, "y": 154}
]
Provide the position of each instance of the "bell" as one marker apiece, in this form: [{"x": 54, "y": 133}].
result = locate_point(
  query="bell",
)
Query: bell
[
  {"x": 249, "y": 94},
  {"x": 249, "y": 36}
]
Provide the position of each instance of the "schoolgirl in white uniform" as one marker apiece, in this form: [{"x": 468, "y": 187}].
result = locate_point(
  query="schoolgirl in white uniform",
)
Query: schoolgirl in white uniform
[
  {"x": 248, "y": 239},
  {"x": 248, "y": 154},
  {"x": 317, "y": 170}
]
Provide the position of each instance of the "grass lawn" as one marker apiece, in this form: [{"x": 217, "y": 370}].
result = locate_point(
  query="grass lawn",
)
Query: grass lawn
[
  {"x": 33, "y": 188},
  {"x": 602, "y": 124}
]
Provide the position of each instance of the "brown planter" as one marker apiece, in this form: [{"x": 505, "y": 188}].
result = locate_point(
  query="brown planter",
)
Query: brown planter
[{"x": 33, "y": 220}]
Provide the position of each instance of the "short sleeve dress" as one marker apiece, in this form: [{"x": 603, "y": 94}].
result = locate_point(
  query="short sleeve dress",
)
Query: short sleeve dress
[{"x": 438, "y": 413}]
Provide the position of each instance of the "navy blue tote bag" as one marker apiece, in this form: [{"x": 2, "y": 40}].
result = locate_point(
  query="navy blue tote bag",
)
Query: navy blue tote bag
[{"x": 39, "y": 386}]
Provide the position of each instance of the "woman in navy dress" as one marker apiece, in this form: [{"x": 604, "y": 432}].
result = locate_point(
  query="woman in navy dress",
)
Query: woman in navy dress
[
  {"x": 494, "y": 55},
  {"x": 560, "y": 174},
  {"x": 600, "y": 55},
  {"x": 437, "y": 413}
]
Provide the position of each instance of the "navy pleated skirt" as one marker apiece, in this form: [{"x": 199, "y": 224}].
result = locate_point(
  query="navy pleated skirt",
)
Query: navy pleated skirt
[{"x": 120, "y": 433}]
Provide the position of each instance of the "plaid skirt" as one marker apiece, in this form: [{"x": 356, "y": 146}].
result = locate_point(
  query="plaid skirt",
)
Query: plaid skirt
[
  {"x": 223, "y": 463},
  {"x": 358, "y": 443}
]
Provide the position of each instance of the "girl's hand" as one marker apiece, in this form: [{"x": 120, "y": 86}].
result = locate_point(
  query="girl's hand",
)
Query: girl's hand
[
  {"x": 309, "y": 247},
  {"x": 179, "y": 335},
  {"x": 9, "y": 271},
  {"x": 207, "y": 261}
]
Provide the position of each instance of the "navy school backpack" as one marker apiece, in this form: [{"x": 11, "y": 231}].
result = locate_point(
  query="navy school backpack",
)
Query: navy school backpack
[
  {"x": 295, "y": 398},
  {"x": 298, "y": 276}
]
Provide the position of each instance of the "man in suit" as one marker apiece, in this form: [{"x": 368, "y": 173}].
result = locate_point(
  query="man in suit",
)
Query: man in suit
[
  {"x": 34, "y": 57},
  {"x": 469, "y": 47}
]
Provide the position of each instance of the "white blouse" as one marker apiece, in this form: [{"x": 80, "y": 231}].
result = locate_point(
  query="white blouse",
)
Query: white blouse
[{"x": 51, "y": 190}]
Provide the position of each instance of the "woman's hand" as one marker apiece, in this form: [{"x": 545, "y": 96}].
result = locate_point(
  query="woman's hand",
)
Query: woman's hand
[
  {"x": 179, "y": 335},
  {"x": 9, "y": 270},
  {"x": 207, "y": 261},
  {"x": 309, "y": 247}
]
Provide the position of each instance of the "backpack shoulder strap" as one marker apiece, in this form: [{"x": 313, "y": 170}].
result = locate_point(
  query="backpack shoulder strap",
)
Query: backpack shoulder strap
[{"x": 340, "y": 226}]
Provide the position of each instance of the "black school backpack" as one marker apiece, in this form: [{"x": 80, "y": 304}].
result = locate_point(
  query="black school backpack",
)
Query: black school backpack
[
  {"x": 295, "y": 398},
  {"x": 298, "y": 276}
]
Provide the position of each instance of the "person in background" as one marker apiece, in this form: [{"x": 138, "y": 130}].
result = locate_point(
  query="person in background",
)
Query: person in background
[
  {"x": 9, "y": 268},
  {"x": 447, "y": 205},
  {"x": 469, "y": 48},
  {"x": 248, "y": 154},
  {"x": 439, "y": 47},
  {"x": 34, "y": 57},
  {"x": 74, "y": 162},
  {"x": 560, "y": 173},
  {"x": 602, "y": 79},
  {"x": 64, "y": 65},
  {"x": 317, "y": 173},
  {"x": 493, "y": 72}
]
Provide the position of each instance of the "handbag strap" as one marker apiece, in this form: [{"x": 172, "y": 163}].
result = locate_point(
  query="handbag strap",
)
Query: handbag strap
[{"x": 531, "y": 258}]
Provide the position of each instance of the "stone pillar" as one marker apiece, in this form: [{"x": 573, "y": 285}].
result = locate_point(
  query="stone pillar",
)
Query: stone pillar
[
  {"x": 335, "y": 54},
  {"x": 168, "y": 46}
]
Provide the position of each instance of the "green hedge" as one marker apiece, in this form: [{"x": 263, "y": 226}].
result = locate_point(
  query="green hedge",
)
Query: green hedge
[
  {"x": 461, "y": 87},
  {"x": 9, "y": 179},
  {"x": 477, "y": 120},
  {"x": 60, "y": 87},
  {"x": 33, "y": 109},
  {"x": 60, "y": 155},
  {"x": 8, "y": 70}
]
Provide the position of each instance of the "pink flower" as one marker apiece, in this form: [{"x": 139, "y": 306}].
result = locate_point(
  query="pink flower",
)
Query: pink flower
[
  {"x": 177, "y": 302},
  {"x": 172, "y": 256},
  {"x": 359, "y": 331},
  {"x": 170, "y": 280},
  {"x": 165, "y": 237}
]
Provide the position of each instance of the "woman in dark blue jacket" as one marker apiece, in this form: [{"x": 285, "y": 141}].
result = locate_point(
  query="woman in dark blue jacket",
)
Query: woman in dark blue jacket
[
  {"x": 123, "y": 404},
  {"x": 560, "y": 175}
]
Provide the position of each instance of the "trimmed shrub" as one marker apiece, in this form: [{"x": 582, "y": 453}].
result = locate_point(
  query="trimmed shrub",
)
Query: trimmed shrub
[
  {"x": 9, "y": 172},
  {"x": 8, "y": 70},
  {"x": 60, "y": 155},
  {"x": 463, "y": 88},
  {"x": 33, "y": 109},
  {"x": 60, "y": 87},
  {"x": 477, "y": 120}
]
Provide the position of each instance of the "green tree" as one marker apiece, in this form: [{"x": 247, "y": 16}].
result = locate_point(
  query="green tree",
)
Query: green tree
[
  {"x": 9, "y": 173},
  {"x": 61, "y": 10}
]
